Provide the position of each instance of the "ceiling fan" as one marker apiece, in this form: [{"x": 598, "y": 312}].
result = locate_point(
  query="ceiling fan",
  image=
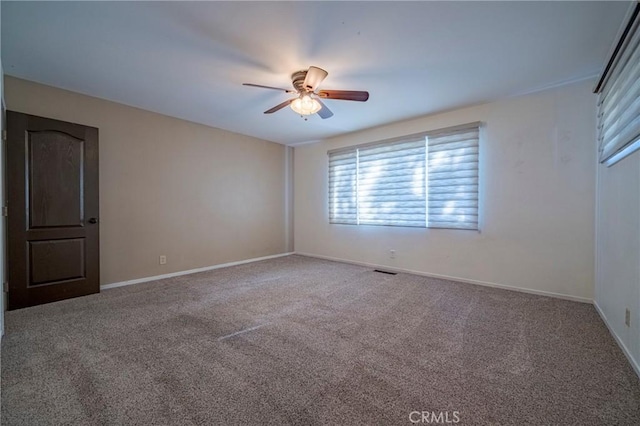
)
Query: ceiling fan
[{"x": 309, "y": 99}]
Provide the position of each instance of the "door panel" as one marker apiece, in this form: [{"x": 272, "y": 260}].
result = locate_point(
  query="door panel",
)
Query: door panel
[
  {"x": 55, "y": 261},
  {"x": 52, "y": 176},
  {"x": 55, "y": 179}
]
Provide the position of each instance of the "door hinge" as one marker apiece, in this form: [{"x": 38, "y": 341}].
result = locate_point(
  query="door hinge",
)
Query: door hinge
[
  {"x": 5, "y": 211},
  {"x": 5, "y": 286},
  {"x": 4, "y": 135}
]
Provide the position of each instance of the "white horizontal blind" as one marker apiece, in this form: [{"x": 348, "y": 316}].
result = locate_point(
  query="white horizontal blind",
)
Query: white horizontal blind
[
  {"x": 619, "y": 99},
  {"x": 453, "y": 180},
  {"x": 391, "y": 184},
  {"x": 429, "y": 179},
  {"x": 342, "y": 187}
]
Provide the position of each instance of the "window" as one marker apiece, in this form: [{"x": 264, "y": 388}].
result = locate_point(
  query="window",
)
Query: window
[
  {"x": 619, "y": 96},
  {"x": 425, "y": 180}
]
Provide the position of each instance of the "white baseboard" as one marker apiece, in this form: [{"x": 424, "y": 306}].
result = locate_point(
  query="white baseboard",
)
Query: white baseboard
[
  {"x": 191, "y": 271},
  {"x": 450, "y": 278},
  {"x": 619, "y": 341}
]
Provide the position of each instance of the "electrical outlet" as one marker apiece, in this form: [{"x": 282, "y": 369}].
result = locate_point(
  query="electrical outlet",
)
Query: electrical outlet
[
  {"x": 163, "y": 259},
  {"x": 627, "y": 317},
  {"x": 392, "y": 254}
]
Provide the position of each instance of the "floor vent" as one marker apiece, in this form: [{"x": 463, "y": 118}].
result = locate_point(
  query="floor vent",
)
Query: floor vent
[{"x": 385, "y": 272}]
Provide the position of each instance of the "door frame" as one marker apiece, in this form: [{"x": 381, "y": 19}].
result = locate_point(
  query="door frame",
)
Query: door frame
[{"x": 3, "y": 205}]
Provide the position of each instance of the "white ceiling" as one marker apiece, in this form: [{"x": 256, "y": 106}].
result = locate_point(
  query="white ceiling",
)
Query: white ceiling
[{"x": 189, "y": 59}]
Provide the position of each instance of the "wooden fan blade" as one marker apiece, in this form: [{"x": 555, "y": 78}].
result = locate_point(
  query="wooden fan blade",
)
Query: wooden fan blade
[
  {"x": 344, "y": 95},
  {"x": 269, "y": 87},
  {"x": 314, "y": 77},
  {"x": 324, "y": 112},
  {"x": 279, "y": 106}
]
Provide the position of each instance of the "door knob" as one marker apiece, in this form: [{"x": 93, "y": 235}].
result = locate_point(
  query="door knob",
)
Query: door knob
[{"x": 93, "y": 220}]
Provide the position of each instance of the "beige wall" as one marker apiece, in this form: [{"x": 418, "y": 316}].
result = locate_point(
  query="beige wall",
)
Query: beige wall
[
  {"x": 618, "y": 250},
  {"x": 199, "y": 195},
  {"x": 537, "y": 166}
]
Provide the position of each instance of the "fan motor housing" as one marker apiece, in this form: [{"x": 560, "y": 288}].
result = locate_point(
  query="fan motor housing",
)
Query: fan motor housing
[{"x": 297, "y": 79}]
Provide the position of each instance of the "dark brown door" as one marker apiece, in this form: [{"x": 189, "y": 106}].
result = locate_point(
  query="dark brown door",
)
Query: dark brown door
[{"x": 52, "y": 188}]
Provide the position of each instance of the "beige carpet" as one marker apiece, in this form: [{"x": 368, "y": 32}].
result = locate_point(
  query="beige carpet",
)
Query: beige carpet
[{"x": 303, "y": 341}]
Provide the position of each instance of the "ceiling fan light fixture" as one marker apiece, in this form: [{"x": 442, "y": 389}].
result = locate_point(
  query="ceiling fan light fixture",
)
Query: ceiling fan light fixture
[
  {"x": 305, "y": 105},
  {"x": 309, "y": 100}
]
